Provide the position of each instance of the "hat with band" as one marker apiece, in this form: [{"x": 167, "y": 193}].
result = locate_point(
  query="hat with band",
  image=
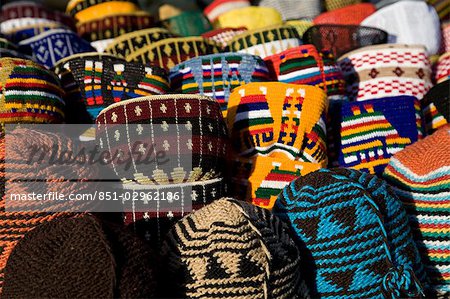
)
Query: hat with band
[
  {"x": 349, "y": 15},
  {"x": 251, "y": 17},
  {"x": 29, "y": 31},
  {"x": 217, "y": 75},
  {"x": 222, "y": 36},
  {"x": 87, "y": 10},
  {"x": 219, "y": 7},
  {"x": 278, "y": 133},
  {"x": 292, "y": 9},
  {"x": 436, "y": 106},
  {"x": 443, "y": 68},
  {"x": 187, "y": 23}
]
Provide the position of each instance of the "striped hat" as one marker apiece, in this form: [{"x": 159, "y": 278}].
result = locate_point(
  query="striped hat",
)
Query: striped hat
[
  {"x": 421, "y": 27},
  {"x": 187, "y": 23},
  {"x": 251, "y": 17},
  {"x": 29, "y": 93},
  {"x": 278, "y": 133},
  {"x": 305, "y": 65},
  {"x": 356, "y": 233},
  {"x": 420, "y": 175},
  {"x": 219, "y": 7},
  {"x": 101, "y": 80},
  {"x": 386, "y": 70},
  {"x": 87, "y": 10},
  {"x": 372, "y": 131},
  {"x": 293, "y": 9},
  {"x": 232, "y": 249},
  {"x": 349, "y": 15},
  {"x": 217, "y": 75},
  {"x": 223, "y": 35},
  {"x": 341, "y": 39},
  {"x": 53, "y": 45},
  {"x": 443, "y": 68},
  {"x": 265, "y": 42},
  {"x": 436, "y": 107}
]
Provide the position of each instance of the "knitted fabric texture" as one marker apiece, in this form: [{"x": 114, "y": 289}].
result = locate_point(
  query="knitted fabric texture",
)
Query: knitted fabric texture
[
  {"x": 278, "y": 133},
  {"x": 419, "y": 28},
  {"x": 51, "y": 261},
  {"x": 436, "y": 107},
  {"x": 53, "y": 45},
  {"x": 337, "y": 4},
  {"x": 29, "y": 93},
  {"x": 420, "y": 175},
  {"x": 252, "y": 17},
  {"x": 219, "y": 7},
  {"x": 443, "y": 68},
  {"x": 87, "y": 10},
  {"x": 233, "y": 249},
  {"x": 265, "y": 42},
  {"x": 188, "y": 23},
  {"x": 300, "y": 25},
  {"x": 340, "y": 39},
  {"x": 446, "y": 36},
  {"x": 356, "y": 233},
  {"x": 386, "y": 70},
  {"x": 349, "y": 15},
  {"x": 292, "y": 9},
  {"x": 222, "y": 36},
  {"x": 305, "y": 65},
  {"x": 372, "y": 131},
  {"x": 217, "y": 75},
  {"x": 28, "y": 31}
]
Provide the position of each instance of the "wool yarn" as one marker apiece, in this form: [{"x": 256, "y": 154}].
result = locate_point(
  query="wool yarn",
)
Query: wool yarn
[
  {"x": 219, "y": 7},
  {"x": 187, "y": 23},
  {"x": 386, "y": 70},
  {"x": 291, "y": 9},
  {"x": 251, "y": 17},
  {"x": 356, "y": 233},
  {"x": 348, "y": 15},
  {"x": 436, "y": 107},
  {"x": 278, "y": 133},
  {"x": 305, "y": 65},
  {"x": 443, "y": 68},
  {"x": 233, "y": 249},
  {"x": 217, "y": 75},
  {"x": 223, "y": 35}
]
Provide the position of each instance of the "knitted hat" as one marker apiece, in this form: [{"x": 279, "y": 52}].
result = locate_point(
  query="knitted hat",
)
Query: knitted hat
[
  {"x": 29, "y": 93},
  {"x": 222, "y": 36},
  {"x": 292, "y": 9},
  {"x": 100, "y": 81},
  {"x": 386, "y": 70},
  {"x": 300, "y": 25},
  {"x": 80, "y": 258},
  {"x": 278, "y": 133},
  {"x": 337, "y": 4},
  {"x": 265, "y": 42},
  {"x": 421, "y": 27},
  {"x": 305, "y": 65},
  {"x": 349, "y": 15},
  {"x": 55, "y": 44},
  {"x": 232, "y": 249},
  {"x": 188, "y": 23},
  {"x": 372, "y": 131},
  {"x": 219, "y": 7},
  {"x": 420, "y": 175},
  {"x": 87, "y": 10},
  {"x": 171, "y": 51},
  {"x": 8, "y": 49},
  {"x": 129, "y": 43},
  {"x": 446, "y": 36},
  {"x": 217, "y": 75},
  {"x": 252, "y": 17},
  {"x": 356, "y": 233},
  {"x": 443, "y": 68},
  {"x": 340, "y": 39},
  {"x": 436, "y": 106}
]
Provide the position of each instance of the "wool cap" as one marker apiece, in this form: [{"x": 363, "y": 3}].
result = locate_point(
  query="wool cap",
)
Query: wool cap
[
  {"x": 386, "y": 70},
  {"x": 29, "y": 93},
  {"x": 265, "y": 42},
  {"x": 252, "y": 17},
  {"x": 349, "y": 15},
  {"x": 421, "y": 27},
  {"x": 217, "y": 75},
  {"x": 11, "y": 50},
  {"x": 87, "y": 10},
  {"x": 443, "y": 68},
  {"x": 171, "y": 51},
  {"x": 232, "y": 249},
  {"x": 372, "y": 131},
  {"x": 219, "y": 7},
  {"x": 53, "y": 45},
  {"x": 278, "y": 133},
  {"x": 341, "y": 39},
  {"x": 187, "y": 23},
  {"x": 223, "y": 35},
  {"x": 356, "y": 233},
  {"x": 292, "y": 9},
  {"x": 28, "y": 31},
  {"x": 420, "y": 175},
  {"x": 80, "y": 258},
  {"x": 305, "y": 65},
  {"x": 436, "y": 106}
]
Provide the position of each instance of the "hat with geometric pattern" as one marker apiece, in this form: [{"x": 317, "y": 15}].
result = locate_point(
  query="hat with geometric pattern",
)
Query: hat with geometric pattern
[
  {"x": 251, "y": 17},
  {"x": 436, "y": 107},
  {"x": 443, "y": 68},
  {"x": 88, "y": 10},
  {"x": 223, "y": 35},
  {"x": 231, "y": 249},
  {"x": 356, "y": 234},
  {"x": 348, "y": 15}
]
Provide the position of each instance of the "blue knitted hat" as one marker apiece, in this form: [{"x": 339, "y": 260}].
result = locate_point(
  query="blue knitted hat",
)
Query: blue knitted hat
[{"x": 356, "y": 234}]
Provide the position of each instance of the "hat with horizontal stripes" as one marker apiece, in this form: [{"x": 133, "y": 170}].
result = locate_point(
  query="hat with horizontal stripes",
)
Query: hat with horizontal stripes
[{"x": 436, "y": 106}]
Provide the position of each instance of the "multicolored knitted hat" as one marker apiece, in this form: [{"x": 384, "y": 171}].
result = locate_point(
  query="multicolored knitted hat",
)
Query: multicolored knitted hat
[
  {"x": 386, "y": 70},
  {"x": 278, "y": 133},
  {"x": 292, "y": 9},
  {"x": 232, "y": 249},
  {"x": 436, "y": 107},
  {"x": 419, "y": 28},
  {"x": 25, "y": 32},
  {"x": 372, "y": 131},
  {"x": 171, "y": 51},
  {"x": 219, "y": 7},
  {"x": 188, "y": 23},
  {"x": 356, "y": 233},
  {"x": 223, "y": 35},
  {"x": 217, "y": 75},
  {"x": 349, "y": 15},
  {"x": 52, "y": 261},
  {"x": 420, "y": 175},
  {"x": 305, "y": 65},
  {"x": 341, "y": 39},
  {"x": 55, "y": 44},
  {"x": 443, "y": 68},
  {"x": 29, "y": 93},
  {"x": 265, "y": 42},
  {"x": 87, "y": 10},
  {"x": 251, "y": 17}
]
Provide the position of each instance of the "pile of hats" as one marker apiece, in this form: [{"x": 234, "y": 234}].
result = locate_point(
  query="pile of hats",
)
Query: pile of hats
[{"x": 308, "y": 141}]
